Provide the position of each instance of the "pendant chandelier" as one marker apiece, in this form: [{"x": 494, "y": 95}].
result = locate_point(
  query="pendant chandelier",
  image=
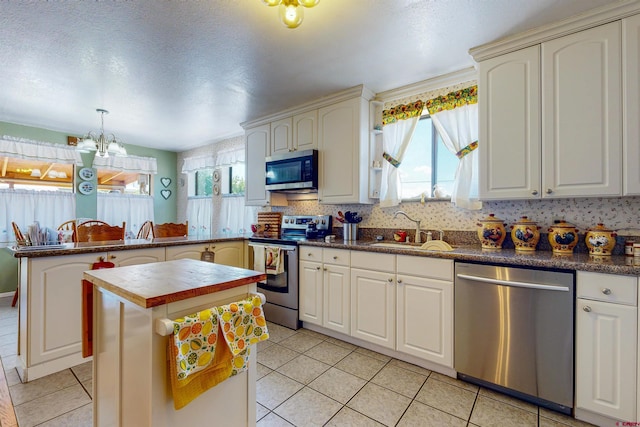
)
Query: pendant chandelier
[
  {"x": 102, "y": 144},
  {"x": 291, "y": 13}
]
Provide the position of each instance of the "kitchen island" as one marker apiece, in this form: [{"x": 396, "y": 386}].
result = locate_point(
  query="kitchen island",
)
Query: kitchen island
[
  {"x": 49, "y": 325},
  {"x": 130, "y": 372}
]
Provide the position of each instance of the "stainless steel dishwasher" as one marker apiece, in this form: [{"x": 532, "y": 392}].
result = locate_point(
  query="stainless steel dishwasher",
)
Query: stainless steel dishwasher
[{"x": 514, "y": 332}]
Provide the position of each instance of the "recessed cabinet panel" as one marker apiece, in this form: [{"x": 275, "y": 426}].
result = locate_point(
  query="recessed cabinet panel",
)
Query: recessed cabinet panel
[
  {"x": 281, "y": 136},
  {"x": 373, "y": 313},
  {"x": 631, "y": 89},
  {"x": 510, "y": 128},
  {"x": 582, "y": 106},
  {"x": 305, "y": 130},
  {"x": 311, "y": 292},
  {"x": 336, "y": 298},
  {"x": 257, "y": 147}
]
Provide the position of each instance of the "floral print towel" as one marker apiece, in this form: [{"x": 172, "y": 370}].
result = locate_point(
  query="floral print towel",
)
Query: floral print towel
[{"x": 195, "y": 337}]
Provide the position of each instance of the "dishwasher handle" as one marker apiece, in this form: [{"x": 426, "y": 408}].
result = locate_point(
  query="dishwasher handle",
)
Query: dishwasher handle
[{"x": 514, "y": 283}]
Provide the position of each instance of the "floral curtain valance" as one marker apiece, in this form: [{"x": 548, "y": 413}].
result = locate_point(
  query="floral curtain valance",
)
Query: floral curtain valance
[
  {"x": 453, "y": 100},
  {"x": 144, "y": 165},
  {"x": 230, "y": 157},
  {"x": 192, "y": 164},
  {"x": 28, "y": 149},
  {"x": 402, "y": 112}
]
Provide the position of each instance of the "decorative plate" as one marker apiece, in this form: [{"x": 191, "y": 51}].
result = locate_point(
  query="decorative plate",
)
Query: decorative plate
[
  {"x": 216, "y": 189},
  {"x": 86, "y": 187},
  {"x": 86, "y": 173},
  {"x": 216, "y": 175}
]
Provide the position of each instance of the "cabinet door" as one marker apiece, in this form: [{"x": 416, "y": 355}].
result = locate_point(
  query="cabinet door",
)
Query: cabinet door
[
  {"x": 631, "y": 87},
  {"x": 310, "y": 282},
  {"x": 257, "y": 149},
  {"x": 373, "y": 314},
  {"x": 336, "y": 298},
  {"x": 137, "y": 256},
  {"x": 339, "y": 137},
  {"x": 582, "y": 117},
  {"x": 55, "y": 309},
  {"x": 510, "y": 126},
  {"x": 425, "y": 318},
  {"x": 228, "y": 253},
  {"x": 305, "y": 131},
  {"x": 606, "y": 358},
  {"x": 185, "y": 251},
  {"x": 281, "y": 136}
]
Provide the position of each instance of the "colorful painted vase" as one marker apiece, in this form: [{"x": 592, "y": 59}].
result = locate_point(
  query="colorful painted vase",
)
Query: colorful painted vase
[
  {"x": 600, "y": 240},
  {"x": 563, "y": 237},
  {"x": 491, "y": 232},
  {"x": 525, "y": 234}
]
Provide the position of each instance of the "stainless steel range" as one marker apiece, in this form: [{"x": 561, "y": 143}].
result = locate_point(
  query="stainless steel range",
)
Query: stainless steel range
[{"x": 281, "y": 289}]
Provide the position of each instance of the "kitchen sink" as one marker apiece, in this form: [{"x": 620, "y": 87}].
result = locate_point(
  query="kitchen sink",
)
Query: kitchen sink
[{"x": 432, "y": 245}]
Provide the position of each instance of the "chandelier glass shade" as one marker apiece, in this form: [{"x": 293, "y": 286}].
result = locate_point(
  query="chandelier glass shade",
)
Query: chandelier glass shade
[
  {"x": 290, "y": 11},
  {"x": 102, "y": 144}
]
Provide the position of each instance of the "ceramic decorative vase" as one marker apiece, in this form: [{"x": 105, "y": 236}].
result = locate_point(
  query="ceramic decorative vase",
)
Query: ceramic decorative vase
[
  {"x": 600, "y": 240},
  {"x": 525, "y": 234},
  {"x": 563, "y": 237},
  {"x": 491, "y": 232}
]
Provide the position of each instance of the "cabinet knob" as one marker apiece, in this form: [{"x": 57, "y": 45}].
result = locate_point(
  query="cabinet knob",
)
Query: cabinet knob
[
  {"x": 606, "y": 291},
  {"x": 325, "y": 269},
  {"x": 586, "y": 308},
  {"x": 335, "y": 257},
  {"x": 549, "y": 191},
  {"x": 534, "y": 192},
  {"x": 114, "y": 257},
  {"x": 399, "y": 281},
  {"x": 318, "y": 268},
  {"x": 309, "y": 254},
  {"x": 390, "y": 279}
]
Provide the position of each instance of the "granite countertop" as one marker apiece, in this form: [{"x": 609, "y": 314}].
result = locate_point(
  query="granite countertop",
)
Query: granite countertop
[
  {"x": 118, "y": 245},
  {"x": 151, "y": 285},
  {"x": 614, "y": 264}
]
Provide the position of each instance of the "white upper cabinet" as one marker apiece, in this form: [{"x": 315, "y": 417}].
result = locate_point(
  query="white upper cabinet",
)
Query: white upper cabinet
[
  {"x": 344, "y": 152},
  {"x": 257, "y": 149},
  {"x": 510, "y": 126},
  {"x": 631, "y": 91},
  {"x": 551, "y": 118},
  {"x": 582, "y": 113},
  {"x": 305, "y": 131},
  {"x": 282, "y": 136}
]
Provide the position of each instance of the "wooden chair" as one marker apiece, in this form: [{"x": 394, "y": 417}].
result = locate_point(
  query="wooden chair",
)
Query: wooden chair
[
  {"x": 68, "y": 228},
  {"x": 99, "y": 231},
  {"x": 20, "y": 240},
  {"x": 170, "y": 229},
  {"x": 146, "y": 230}
]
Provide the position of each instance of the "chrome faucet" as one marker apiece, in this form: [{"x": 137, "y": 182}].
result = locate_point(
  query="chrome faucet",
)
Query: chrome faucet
[{"x": 418, "y": 238}]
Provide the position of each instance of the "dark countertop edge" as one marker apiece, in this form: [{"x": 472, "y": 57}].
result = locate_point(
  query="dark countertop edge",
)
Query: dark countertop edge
[
  {"x": 614, "y": 264},
  {"x": 93, "y": 247}
]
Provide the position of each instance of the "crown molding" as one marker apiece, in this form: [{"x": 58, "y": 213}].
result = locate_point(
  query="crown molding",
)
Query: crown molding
[
  {"x": 592, "y": 18},
  {"x": 428, "y": 85},
  {"x": 353, "y": 92}
]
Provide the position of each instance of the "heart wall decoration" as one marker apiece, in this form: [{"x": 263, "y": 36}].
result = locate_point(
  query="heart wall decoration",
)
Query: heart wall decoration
[
  {"x": 165, "y": 194},
  {"x": 165, "y": 182}
]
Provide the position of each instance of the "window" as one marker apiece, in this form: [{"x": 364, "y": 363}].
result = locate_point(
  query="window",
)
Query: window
[
  {"x": 427, "y": 164},
  {"x": 203, "y": 182},
  {"x": 232, "y": 180},
  {"x": 35, "y": 175},
  {"x": 110, "y": 181}
]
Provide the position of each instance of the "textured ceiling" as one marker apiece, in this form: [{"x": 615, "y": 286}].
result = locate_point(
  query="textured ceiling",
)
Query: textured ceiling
[{"x": 180, "y": 74}]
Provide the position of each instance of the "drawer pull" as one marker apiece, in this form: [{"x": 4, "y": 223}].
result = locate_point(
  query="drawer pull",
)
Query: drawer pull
[
  {"x": 399, "y": 281},
  {"x": 390, "y": 279},
  {"x": 606, "y": 291},
  {"x": 335, "y": 257},
  {"x": 586, "y": 308},
  {"x": 114, "y": 257},
  {"x": 318, "y": 268},
  {"x": 309, "y": 254}
]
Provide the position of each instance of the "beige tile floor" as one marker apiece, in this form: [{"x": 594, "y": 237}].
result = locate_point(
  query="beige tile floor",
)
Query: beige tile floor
[{"x": 305, "y": 379}]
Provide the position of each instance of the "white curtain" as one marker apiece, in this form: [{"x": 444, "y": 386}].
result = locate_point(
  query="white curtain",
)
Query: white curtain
[
  {"x": 455, "y": 116},
  {"x": 399, "y": 126},
  {"x": 235, "y": 217},
  {"x": 199, "y": 214},
  {"x": 194, "y": 164},
  {"x": 137, "y": 164},
  {"x": 132, "y": 209},
  {"x": 28, "y": 149},
  {"x": 49, "y": 208}
]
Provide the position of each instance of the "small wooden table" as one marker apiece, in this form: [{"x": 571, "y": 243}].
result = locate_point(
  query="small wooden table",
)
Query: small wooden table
[{"x": 130, "y": 372}]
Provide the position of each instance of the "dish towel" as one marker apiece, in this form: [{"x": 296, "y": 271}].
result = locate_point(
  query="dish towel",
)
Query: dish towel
[
  {"x": 273, "y": 260},
  {"x": 259, "y": 260},
  {"x": 243, "y": 324},
  {"x": 196, "y": 360}
]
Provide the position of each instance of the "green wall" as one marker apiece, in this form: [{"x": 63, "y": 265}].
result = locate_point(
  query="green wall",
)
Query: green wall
[{"x": 86, "y": 205}]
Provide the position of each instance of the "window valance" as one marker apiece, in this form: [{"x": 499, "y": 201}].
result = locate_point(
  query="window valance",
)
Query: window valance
[
  {"x": 230, "y": 157},
  {"x": 144, "y": 165},
  {"x": 37, "y": 150},
  {"x": 192, "y": 164}
]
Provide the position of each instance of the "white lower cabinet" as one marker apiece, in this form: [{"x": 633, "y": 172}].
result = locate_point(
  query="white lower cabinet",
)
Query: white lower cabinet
[
  {"x": 311, "y": 291},
  {"x": 606, "y": 347},
  {"x": 373, "y": 311},
  {"x": 425, "y": 308},
  {"x": 136, "y": 256},
  {"x": 227, "y": 253}
]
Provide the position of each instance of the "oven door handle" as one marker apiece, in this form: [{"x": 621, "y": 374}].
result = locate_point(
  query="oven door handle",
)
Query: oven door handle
[
  {"x": 285, "y": 248},
  {"x": 513, "y": 283}
]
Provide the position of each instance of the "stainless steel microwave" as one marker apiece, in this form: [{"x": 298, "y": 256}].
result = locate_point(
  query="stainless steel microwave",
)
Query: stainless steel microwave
[{"x": 293, "y": 172}]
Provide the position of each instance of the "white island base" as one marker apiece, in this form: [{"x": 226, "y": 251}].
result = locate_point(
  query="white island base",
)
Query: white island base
[{"x": 131, "y": 386}]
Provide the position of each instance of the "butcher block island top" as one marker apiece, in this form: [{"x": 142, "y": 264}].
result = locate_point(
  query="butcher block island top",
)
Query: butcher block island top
[{"x": 152, "y": 285}]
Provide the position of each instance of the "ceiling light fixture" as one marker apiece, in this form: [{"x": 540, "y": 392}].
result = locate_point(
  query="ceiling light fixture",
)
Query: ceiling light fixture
[
  {"x": 101, "y": 144},
  {"x": 291, "y": 13}
]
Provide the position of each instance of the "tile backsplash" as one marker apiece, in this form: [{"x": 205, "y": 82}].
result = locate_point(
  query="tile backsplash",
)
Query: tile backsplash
[{"x": 615, "y": 213}]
